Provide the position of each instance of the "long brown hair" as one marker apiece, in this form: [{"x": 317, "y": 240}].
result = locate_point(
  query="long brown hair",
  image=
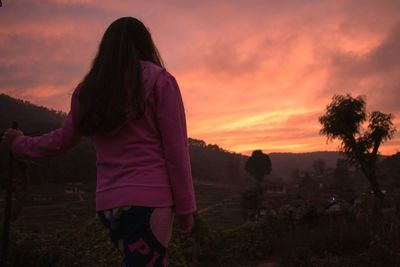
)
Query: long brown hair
[{"x": 103, "y": 93}]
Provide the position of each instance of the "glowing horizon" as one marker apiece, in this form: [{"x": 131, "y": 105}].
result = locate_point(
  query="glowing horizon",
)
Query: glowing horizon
[{"x": 253, "y": 74}]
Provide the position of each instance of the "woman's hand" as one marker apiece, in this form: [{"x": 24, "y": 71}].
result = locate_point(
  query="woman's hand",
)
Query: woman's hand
[
  {"x": 185, "y": 223},
  {"x": 9, "y": 136}
]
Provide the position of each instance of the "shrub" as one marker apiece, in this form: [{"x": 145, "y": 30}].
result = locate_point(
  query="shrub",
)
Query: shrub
[
  {"x": 89, "y": 245},
  {"x": 344, "y": 242},
  {"x": 196, "y": 249},
  {"x": 251, "y": 241},
  {"x": 86, "y": 246}
]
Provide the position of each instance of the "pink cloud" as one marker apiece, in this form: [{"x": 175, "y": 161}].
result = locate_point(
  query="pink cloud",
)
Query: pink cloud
[{"x": 253, "y": 74}]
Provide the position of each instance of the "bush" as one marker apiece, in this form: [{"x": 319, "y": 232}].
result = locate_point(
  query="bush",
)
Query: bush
[
  {"x": 89, "y": 245},
  {"x": 26, "y": 250},
  {"x": 346, "y": 240},
  {"x": 251, "y": 202},
  {"x": 309, "y": 215},
  {"x": 86, "y": 246},
  {"x": 251, "y": 241},
  {"x": 197, "y": 249}
]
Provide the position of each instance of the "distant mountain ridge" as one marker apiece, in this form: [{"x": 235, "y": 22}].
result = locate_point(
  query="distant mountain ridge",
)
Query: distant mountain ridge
[
  {"x": 31, "y": 118},
  {"x": 209, "y": 161},
  {"x": 283, "y": 163}
]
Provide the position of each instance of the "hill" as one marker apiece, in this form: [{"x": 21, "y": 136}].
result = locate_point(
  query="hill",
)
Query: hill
[
  {"x": 31, "y": 118},
  {"x": 283, "y": 164},
  {"x": 210, "y": 163}
]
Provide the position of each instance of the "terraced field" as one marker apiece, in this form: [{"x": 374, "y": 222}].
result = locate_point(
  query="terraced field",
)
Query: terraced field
[{"x": 219, "y": 204}]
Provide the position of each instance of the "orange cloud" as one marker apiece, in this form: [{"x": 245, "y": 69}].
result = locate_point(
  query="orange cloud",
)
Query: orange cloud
[{"x": 253, "y": 74}]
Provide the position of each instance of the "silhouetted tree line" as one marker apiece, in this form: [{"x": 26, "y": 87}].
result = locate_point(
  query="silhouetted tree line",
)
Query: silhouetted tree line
[
  {"x": 209, "y": 162},
  {"x": 388, "y": 170},
  {"x": 212, "y": 163},
  {"x": 32, "y": 118}
]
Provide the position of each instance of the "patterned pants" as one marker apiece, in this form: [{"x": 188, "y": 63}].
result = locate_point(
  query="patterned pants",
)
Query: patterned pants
[{"x": 140, "y": 233}]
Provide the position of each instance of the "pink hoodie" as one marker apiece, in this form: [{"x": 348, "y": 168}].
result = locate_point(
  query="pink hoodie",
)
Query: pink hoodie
[{"x": 145, "y": 162}]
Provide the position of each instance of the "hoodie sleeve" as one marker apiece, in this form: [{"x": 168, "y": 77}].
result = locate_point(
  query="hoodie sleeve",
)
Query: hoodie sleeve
[
  {"x": 172, "y": 125},
  {"x": 52, "y": 143}
]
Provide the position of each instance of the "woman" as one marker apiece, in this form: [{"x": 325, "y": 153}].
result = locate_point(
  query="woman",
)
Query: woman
[{"x": 132, "y": 110}]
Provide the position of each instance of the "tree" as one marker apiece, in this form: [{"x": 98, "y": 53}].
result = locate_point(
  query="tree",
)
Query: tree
[
  {"x": 233, "y": 169},
  {"x": 389, "y": 170},
  {"x": 308, "y": 185},
  {"x": 319, "y": 166},
  {"x": 251, "y": 202},
  {"x": 258, "y": 165},
  {"x": 343, "y": 121},
  {"x": 341, "y": 173},
  {"x": 295, "y": 175}
]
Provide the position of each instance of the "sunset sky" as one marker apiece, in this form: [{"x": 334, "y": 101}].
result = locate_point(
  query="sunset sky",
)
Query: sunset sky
[{"x": 253, "y": 74}]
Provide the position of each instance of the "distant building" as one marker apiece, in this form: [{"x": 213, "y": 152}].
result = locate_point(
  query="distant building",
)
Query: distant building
[
  {"x": 333, "y": 207},
  {"x": 74, "y": 188},
  {"x": 40, "y": 198},
  {"x": 276, "y": 189},
  {"x": 336, "y": 205}
]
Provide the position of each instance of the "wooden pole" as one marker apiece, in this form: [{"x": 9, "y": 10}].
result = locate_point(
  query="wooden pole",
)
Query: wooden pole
[{"x": 7, "y": 209}]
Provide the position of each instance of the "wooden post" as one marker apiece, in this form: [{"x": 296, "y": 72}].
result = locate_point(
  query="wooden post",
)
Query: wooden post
[{"x": 7, "y": 209}]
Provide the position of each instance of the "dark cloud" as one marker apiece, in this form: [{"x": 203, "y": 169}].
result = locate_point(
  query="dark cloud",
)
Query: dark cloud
[
  {"x": 375, "y": 74},
  {"x": 23, "y": 12},
  {"x": 31, "y": 60},
  {"x": 381, "y": 60},
  {"x": 236, "y": 60}
]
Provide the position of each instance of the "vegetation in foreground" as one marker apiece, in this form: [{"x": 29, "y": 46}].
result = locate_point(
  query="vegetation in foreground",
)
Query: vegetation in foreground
[
  {"x": 301, "y": 236},
  {"x": 298, "y": 235}
]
